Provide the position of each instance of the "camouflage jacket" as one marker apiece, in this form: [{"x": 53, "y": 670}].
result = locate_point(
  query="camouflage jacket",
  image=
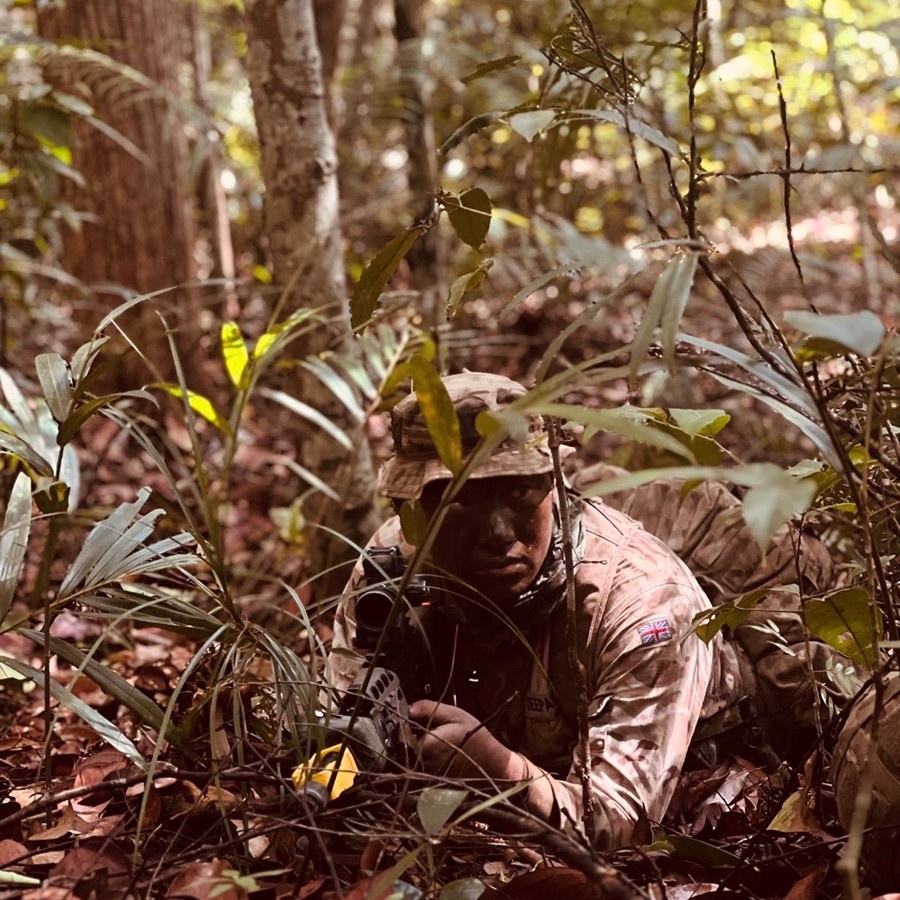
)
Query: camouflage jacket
[{"x": 649, "y": 680}]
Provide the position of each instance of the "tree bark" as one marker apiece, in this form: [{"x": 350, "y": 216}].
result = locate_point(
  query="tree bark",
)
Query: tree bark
[
  {"x": 299, "y": 165},
  {"x": 138, "y": 232}
]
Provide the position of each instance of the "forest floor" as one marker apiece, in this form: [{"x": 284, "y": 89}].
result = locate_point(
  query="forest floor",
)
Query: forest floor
[{"x": 79, "y": 819}]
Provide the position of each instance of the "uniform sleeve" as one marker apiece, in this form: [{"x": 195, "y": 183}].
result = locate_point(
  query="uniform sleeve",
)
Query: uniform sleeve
[{"x": 648, "y": 676}]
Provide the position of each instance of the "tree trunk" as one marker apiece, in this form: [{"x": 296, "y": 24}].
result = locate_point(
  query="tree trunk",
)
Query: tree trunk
[
  {"x": 138, "y": 231},
  {"x": 299, "y": 165},
  {"x": 424, "y": 258}
]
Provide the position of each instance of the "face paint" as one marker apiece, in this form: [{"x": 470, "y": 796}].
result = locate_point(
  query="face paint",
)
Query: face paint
[{"x": 495, "y": 534}]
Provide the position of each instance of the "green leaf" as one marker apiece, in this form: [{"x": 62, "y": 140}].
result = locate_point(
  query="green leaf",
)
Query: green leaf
[
  {"x": 305, "y": 411},
  {"x": 414, "y": 522},
  {"x": 47, "y": 122},
  {"x": 706, "y": 422},
  {"x": 438, "y": 412},
  {"x": 470, "y": 215},
  {"x": 634, "y": 126},
  {"x": 80, "y": 415},
  {"x": 844, "y": 620},
  {"x": 100, "y": 724},
  {"x": 84, "y": 356},
  {"x": 53, "y": 499},
  {"x": 111, "y": 682},
  {"x": 234, "y": 350},
  {"x": 767, "y": 507},
  {"x": 466, "y": 283},
  {"x": 628, "y": 421},
  {"x": 337, "y": 384},
  {"x": 665, "y": 307},
  {"x": 14, "y": 540},
  {"x": 53, "y": 374},
  {"x": 435, "y": 806},
  {"x": 492, "y": 65},
  {"x": 708, "y": 623},
  {"x": 199, "y": 404},
  {"x": 530, "y": 123},
  {"x": 860, "y": 332},
  {"x": 377, "y": 274},
  {"x": 9, "y": 443}
]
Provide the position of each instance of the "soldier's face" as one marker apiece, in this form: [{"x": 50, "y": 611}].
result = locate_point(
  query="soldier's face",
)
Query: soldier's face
[{"x": 496, "y": 532}]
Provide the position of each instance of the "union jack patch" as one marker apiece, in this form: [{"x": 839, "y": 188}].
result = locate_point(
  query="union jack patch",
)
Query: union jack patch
[{"x": 655, "y": 632}]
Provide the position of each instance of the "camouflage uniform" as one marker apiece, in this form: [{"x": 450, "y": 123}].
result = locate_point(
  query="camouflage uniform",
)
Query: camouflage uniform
[{"x": 649, "y": 681}]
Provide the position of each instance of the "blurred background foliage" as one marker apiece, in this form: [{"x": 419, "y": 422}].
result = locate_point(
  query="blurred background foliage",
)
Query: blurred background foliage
[{"x": 579, "y": 189}]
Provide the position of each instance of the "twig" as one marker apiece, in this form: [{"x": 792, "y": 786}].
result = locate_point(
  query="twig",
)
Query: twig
[
  {"x": 572, "y": 642},
  {"x": 782, "y": 107}
]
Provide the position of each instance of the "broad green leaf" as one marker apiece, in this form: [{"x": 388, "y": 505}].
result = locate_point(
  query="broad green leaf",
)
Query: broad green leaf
[
  {"x": 84, "y": 357},
  {"x": 627, "y": 421},
  {"x": 414, "y": 522},
  {"x": 53, "y": 499},
  {"x": 470, "y": 216},
  {"x": 377, "y": 274},
  {"x": 768, "y": 506},
  {"x": 72, "y": 425},
  {"x": 9, "y": 443},
  {"x": 707, "y": 422},
  {"x": 199, "y": 404},
  {"x": 860, "y": 332},
  {"x": 101, "y": 538},
  {"x": 530, "y": 123},
  {"x": 143, "y": 606},
  {"x": 311, "y": 415},
  {"x": 17, "y": 402},
  {"x": 311, "y": 479},
  {"x": 708, "y": 623},
  {"x": 109, "y": 681},
  {"x": 337, "y": 385},
  {"x": 492, "y": 65},
  {"x": 632, "y": 125},
  {"x": 234, "y": 351},
  {"x": 99, "y": 724},
  {"x": 438, "y": 412},
  {"x": 47, "y": 122},
  {"x": 54, "y": 377},
  {"x": 844, "y": 620},
  {"x": 812, "y": 429},
  {"x": 664, "y": 308},
  {"x": 14, "y": 540},
  {"x": 465, "y": 283},
  {"x": 435, "y": 806}
]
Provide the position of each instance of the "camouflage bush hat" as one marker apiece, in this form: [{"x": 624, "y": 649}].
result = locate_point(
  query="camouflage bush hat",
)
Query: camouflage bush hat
[{"x": 415, "y": 462}]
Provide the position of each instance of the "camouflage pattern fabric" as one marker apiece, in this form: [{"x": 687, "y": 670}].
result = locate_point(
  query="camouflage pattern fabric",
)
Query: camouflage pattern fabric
[
  {"x": 794, "y": 680},
  {"x": 649, "y": 680}
]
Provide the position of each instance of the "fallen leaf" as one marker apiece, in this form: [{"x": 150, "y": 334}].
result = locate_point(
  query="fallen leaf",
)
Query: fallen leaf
[
  {"x": 12, "y": 852},
  {"x": 206, "y": 881}
]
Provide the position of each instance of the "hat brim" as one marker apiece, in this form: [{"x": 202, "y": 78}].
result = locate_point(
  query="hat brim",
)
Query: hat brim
[{"x": 403, "y": 479}]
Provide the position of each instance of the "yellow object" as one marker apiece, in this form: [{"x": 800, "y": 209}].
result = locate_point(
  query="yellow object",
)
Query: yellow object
[{"x": 334, "y": 767}]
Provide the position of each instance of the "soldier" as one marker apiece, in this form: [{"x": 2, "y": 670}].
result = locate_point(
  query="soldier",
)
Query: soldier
[{"x": 511, "y": 710}]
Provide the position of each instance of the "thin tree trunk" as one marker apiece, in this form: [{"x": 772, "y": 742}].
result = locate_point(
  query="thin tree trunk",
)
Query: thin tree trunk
[
  {"x": 424, "y": 259},
  {"x": 299, "y": 165}
]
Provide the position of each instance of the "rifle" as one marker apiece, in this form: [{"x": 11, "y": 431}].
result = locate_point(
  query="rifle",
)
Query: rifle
[{"x": 370, "y": 731}]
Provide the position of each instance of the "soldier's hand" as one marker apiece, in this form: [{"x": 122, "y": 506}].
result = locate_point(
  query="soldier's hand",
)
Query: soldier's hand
[{"x": 455, "y": 743}]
